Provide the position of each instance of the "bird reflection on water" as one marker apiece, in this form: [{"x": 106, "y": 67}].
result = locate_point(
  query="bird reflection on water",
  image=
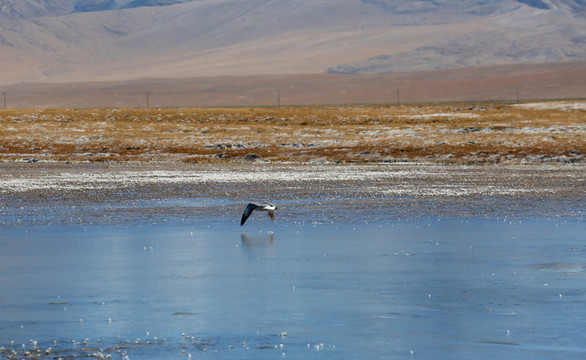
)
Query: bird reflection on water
[{"x": 267, "y": 239}]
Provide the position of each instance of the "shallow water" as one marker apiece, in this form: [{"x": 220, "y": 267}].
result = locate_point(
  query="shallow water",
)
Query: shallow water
[{"x": 431, "y": 288}]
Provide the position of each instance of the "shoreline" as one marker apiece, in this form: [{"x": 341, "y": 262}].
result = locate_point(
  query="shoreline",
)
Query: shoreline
[{"x": 118, "y": 193}]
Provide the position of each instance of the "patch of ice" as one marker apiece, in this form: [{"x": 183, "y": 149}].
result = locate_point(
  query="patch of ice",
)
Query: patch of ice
[
  {"x": 124, "y": 179},
  {"x": 455, "y": 191},
  {"x": 445, "y": 115},
  {"x": 554, "y": 105},
  {"x": 554, "y": 130}
]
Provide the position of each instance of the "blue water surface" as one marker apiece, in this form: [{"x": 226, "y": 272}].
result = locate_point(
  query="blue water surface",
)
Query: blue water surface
[{"x": 430, "y": 288}]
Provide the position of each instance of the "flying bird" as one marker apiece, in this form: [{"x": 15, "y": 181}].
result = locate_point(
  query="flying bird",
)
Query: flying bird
[{"x": 260, "y": 207}]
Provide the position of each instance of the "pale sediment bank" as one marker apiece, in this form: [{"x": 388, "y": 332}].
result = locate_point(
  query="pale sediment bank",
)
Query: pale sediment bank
[{"x": 113, "y": 193}]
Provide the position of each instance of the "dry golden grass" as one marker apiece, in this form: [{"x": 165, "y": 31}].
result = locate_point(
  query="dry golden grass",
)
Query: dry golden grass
[{"x": 446, "y": 132}]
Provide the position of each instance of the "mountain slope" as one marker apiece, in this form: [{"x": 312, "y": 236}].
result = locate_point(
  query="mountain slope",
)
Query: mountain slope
[
  {"x": 36, "y": 8},
  {"x": 79, "y": 40}
]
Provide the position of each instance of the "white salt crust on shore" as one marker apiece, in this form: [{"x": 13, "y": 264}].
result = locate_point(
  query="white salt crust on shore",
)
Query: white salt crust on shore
[{"x": 398, "y": 175}]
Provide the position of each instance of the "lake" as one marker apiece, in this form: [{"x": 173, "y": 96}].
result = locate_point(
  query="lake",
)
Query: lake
[{"x": 429, "y": 288}]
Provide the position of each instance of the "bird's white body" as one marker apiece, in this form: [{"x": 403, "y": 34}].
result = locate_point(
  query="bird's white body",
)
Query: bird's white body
[{"x": 268, "y": 207}]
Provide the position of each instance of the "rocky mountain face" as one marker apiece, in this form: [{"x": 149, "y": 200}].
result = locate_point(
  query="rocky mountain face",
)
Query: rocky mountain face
[
  {"x": 102, "y": 5},
  {"x": 32, "y": 8},
  {"x": 471, "y": 6},
  {"x": 80, "y": 40},
  {"x": 35, "y": 8}
]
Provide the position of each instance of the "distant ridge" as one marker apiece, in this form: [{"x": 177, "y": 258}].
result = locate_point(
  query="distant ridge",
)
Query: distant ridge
[
  {"x": 113, "y": 40},
  {"x": 103, "y": 5}
]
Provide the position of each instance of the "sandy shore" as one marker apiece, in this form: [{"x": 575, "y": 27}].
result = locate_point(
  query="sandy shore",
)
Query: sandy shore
[{"x": 115, "y": 193}]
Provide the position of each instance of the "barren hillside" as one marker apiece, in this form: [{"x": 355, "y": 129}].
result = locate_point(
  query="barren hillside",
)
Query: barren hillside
[
  {"x": 99, "y": 40},
  {"x": 505, "y": 82}
]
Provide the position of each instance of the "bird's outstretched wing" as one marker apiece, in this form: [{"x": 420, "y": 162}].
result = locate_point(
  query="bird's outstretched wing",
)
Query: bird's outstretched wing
[{"x": 249, "y": 209}]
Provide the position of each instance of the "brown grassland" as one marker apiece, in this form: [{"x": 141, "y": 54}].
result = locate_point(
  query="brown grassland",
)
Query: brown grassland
[{"x": 458, "y": 132}]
